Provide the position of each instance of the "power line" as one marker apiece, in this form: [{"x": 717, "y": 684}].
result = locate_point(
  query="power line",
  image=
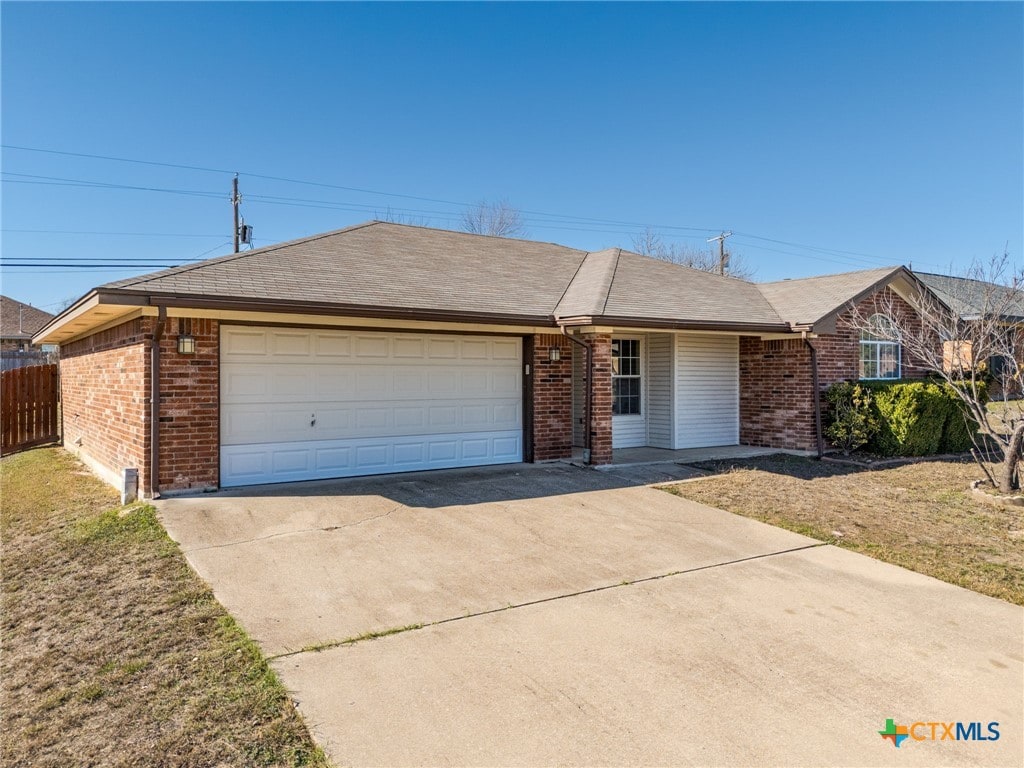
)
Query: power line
[
  {"x": 111, "y": 263},
  {"x": 95, "y": 232},
  {"x": 60, "y": 181},
  {"x": 362, "y": 190},
  {"x": 552, "y": 218},
  {"x": 118, "y": 159},
  {"x": 90, "y": 266}
]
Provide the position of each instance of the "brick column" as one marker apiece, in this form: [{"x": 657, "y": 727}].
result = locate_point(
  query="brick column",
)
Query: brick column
[
  {"x": 552, "y": 398},
  {"x": 601, "y": 398},
  {"x": 190, "y": 406}
]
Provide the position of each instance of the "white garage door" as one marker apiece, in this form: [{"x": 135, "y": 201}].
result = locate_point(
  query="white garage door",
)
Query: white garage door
[{"x": 302, "y": 404}]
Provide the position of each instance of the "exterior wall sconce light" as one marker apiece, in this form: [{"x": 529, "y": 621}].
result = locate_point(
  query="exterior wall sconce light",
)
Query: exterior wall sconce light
[
  {"x": 554, "y": 354},
  {"x": 186, "y": 344}
]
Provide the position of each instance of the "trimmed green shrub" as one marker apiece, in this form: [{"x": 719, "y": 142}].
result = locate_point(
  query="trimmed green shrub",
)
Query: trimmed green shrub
[
  {"x": 961, "y": 428},
  {"x": 919, "y": 418},
  {"x": 852, "y": 421},
  {"x": 910, "y": 419}
]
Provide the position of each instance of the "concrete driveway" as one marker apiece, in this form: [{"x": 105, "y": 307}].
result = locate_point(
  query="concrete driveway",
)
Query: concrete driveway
[{"x": 576, "y": 617}]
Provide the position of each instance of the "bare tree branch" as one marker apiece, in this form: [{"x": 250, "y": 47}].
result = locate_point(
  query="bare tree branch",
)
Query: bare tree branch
[
  {"x": 650, "y": 243},
  {"x": 393, "y": 217},
  {"x": 498, "y": 219},
  {"x": 969, "y": 333}
]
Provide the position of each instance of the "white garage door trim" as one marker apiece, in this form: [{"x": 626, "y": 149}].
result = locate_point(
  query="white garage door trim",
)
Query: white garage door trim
[{"x": 306, "y": 404}]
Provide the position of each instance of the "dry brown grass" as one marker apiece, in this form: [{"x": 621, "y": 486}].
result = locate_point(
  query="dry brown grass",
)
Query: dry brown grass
[
  {"x": 919, "y": 516},
  {"x": 114, "y": 651}
]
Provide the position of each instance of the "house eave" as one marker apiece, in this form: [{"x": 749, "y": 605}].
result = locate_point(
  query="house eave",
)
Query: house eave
[
  {"x": 99, "y": 307},
  {"x": 674, "y": 324}
]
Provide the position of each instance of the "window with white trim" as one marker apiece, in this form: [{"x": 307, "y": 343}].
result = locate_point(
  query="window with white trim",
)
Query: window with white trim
[
  {"x": 625, "y": 376},
  {"x": 879, "y": 352}
]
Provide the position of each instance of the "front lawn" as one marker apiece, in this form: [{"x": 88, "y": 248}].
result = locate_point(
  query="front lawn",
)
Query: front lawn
[
  {"x": 114, "y": 651},
  {"x": 920, "y": 516}
]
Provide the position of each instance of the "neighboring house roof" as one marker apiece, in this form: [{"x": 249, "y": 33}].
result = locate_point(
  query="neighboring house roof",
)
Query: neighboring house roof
[
  {"x": 390, "y": 270},
  {"x": 19, "y": 320},
  {"x": 972, "y": 299}
]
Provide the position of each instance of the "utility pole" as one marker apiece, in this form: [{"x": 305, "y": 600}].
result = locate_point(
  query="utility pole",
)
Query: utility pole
[
  {"x": 722, "y": 260},
  {"x": 235, "y": 200}
]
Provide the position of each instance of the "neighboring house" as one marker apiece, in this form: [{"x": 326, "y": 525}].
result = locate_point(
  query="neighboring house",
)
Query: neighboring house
[
  {"x": 992, "y": 316},
  {"x": 19, "y": 322},
  {"x": 386, "y": 348}
]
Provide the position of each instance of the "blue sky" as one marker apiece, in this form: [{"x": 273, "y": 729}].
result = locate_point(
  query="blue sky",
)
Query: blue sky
[{"x": 877, "y": 133}]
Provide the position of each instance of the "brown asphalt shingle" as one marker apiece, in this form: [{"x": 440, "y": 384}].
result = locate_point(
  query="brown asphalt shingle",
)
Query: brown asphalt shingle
[
  {"x": 19, "y": 320},
  {"x": 806, "y": 301},
  {"x": 386, "y": 266},
  {"x": 649, "y": 288}
]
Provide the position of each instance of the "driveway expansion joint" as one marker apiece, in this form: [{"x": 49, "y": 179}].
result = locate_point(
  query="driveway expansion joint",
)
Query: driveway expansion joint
[{"x": 377, "y": 634}]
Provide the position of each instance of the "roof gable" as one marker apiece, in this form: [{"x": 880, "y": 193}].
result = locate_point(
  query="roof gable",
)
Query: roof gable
[
  {"x": 19, "y": 320},
  {"x": 809, "y": 301}
]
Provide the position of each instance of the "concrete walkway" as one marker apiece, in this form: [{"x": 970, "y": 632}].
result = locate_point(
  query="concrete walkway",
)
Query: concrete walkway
[{"x": 581, "y": 618}]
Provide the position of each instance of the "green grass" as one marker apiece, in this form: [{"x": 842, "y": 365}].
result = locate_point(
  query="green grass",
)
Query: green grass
[
  {"x": 115, "y": 652},
  {"x": 372, "y": 635}
]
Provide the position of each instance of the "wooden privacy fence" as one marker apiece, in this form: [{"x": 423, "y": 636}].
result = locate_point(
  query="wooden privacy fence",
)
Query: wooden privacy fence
[{"x": 28, "y": 407}]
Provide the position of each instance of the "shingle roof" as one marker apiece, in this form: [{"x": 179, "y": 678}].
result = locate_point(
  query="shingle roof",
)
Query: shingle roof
[
  {"x": 399, "y": 266},
  {"x": 811, "y": 299},
  {"x": 650, "y": 288},
  {"x": 971, "y": 298},
  {"x": 385, "y": 265},
  {"x": 19, "y": 320},
  {"x": 390, "y": 270}
]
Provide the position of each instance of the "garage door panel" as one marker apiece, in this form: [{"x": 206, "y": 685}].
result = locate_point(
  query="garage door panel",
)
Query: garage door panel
[
  {"x": 290, "y": 344},
  {"x": 409, "y": 347},
  {"x": 274, "y": 462},
  {"x": 333, "y": 382},
  {"x": 332, "y": 345},
  {"x": 262, "y": 422},
  {"x": 442, "y": 348},
  {"x": 372, "y": 346},
  {"x": 505, "y": 383},
  {"x": 239, "y": 384},
  {"x": 291, "y": 384},
  {"x": 243, "y": 342},
  {"x": 475, "y": 349},
  {"x": 307, "y": 404},
  {"x": 505, "y": 349}
]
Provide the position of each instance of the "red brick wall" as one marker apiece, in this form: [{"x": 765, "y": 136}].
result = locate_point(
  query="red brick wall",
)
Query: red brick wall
[
  {"x": 776, "y": 396},
  {"x": 189, "y": 406},
  {"x": 105, "y": 396},
  {"x": 601, "y": 418},
  {"x": 839, "y": 353},
  {"x": 552, "y": 398}
]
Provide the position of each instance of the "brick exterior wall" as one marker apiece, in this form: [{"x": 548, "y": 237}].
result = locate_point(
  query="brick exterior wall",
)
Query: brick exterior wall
[
  {"x": 552, "y": 398},
  {"x": 776, "y": 394},
  {"x": 105, "y": 397},
  {"x": 839, "y": 353},
  {"x": 601, "y": 417},
  {"x": 190, "y": 407}
]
